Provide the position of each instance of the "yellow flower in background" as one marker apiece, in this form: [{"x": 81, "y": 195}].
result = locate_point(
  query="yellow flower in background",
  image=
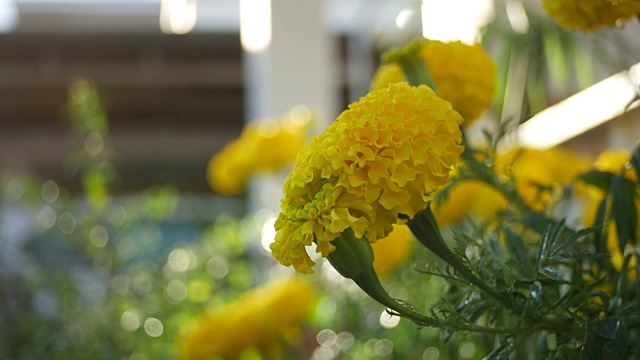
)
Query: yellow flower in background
[
  {"x": 589, "y": 15},
  {"x": 381, "y": 158},
  {"x": 385, "y": 75},
  {"x": 464, "y": 75},
  {"x": 228, "y": 170},
  {"x": 613, "y": 161},
  {"x": 393, "y": 251},
  {"x": 472, "y": 197},
  {"x": 270, "y": 144},
  {"x": 262, "y": 319},
  {"x": 537, "y": 172}
]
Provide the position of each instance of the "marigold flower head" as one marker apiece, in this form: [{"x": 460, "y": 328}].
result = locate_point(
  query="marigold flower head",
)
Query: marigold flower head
[
  {"x": 269, "y": 144},
  {"x": 536, "y": 172},
  {"x": 382, "y": 158},
  {"x": 260, "y": 319},
  {"x": 393, "y": 251},
  {"x": 589, "y": 15},
  {"x": 464, "y": 75}
]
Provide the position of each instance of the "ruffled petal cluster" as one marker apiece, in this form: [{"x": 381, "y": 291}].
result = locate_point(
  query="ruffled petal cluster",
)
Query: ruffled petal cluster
[
  {"x": 382, "y": 158},
  {"x": 464, "y": 75},
  {"x": 261, "y": 319},
  {"x": 393, "y": 251},
  {"x": 589, "y": 15},
  {"x": 265, "y": 145}
]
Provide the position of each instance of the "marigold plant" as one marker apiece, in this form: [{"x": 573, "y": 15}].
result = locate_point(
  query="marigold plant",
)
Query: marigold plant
[{"x": 382, "y": 158}]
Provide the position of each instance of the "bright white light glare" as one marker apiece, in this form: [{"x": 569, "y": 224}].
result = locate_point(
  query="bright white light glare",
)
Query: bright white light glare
[
  {"x": 387, "y": 321},
  {"x": 450, "y": 20},
  {"x": 581, "y": 112},
  {"x": 403, "y": 18},
  {"x": 255, "y": 25},
  {"x": 8, "y": 15},
  {"x": 268, "y": 233},
  {"x": 178, "y": 16},
  {"x": 517, "y": 16}
]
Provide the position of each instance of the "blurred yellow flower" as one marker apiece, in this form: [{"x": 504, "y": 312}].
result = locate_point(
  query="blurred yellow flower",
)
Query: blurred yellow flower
[
  {"x": 393, "y": 251},
  {"x": 612, "y": 161},
  {"x": 383, "y": 157},
  {"x": 537, "y": 173},
  {"x": 262, "y": 319},
  {"x": 589, "y": 15},
  {"x": 464, "y": 75},
  {"x": 472, "y": 197},
  {"x": 270, "y": 144}
]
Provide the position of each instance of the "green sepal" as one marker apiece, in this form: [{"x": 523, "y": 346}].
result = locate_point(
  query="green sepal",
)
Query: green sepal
[{"x": 415, "y": 69}]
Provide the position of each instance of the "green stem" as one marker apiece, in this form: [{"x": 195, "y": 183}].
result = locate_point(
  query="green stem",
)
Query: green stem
[
  {"x": 417, "y": 72},
  {"x": 424, "y": 227}
]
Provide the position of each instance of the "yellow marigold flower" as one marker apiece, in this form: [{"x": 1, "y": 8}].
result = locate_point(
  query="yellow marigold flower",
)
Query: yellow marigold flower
[
  {"x": 385, "y": 75},
  {"x": 383, "y": 157},
  {"x": 265, "y": 145},
  {"x": 471, "y": 197},
  {"x": 464, "y": 75},
  {"x": 229, "y": 169},
  {"x": 537, "y": 172},
  {"x": 260, "y": 319},
  {"x": 589, "y": 15},
  {"x": 394, "y": 250}
]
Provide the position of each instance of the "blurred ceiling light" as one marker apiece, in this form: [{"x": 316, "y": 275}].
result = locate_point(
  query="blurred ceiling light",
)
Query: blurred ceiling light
[
  {"x": 255, "y": 25},
  {"x": 517, "y": 16},
  {"x": 403, "y": 18},
  {"x": 177, "y": 16},
  {"x": 581, "y": 112},
  {"x": 450, "y": 20},
  {"x": 8, "y": 15}
]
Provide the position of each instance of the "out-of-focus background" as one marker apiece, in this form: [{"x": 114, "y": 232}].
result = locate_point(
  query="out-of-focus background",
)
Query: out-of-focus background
[{"x": 112, "y": 241}]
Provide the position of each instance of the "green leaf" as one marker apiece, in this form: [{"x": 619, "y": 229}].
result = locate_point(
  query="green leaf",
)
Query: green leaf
[
  {"x": 580, "y": 255},
  {"x": 551, "y": 273},
  {"x": 624, "y": 210},
  {"x": 519, "y": 252},
  {"x": 635, "y": 161},
  {"x": 620, "y": 348},
  {"x": 577, "y": 235},
  {"x": 600, "y": 179}
]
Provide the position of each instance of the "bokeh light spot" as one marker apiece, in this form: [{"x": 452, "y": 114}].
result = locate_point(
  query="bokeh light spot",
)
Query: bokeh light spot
[
  {"x": 387, "y": 321},
  {"x": 93, "y": 143},
  {"x": 383, "y": 347},
  {"x": 153, "y": 327},
  {"x": 50, "y": 191},
  {"x": 99, "y": 236},
  {"x": 217, "y": 267},
  {"x": 268, "y": 233},
  {"x": 468, "y": 350},
  {"x": 46, "y": 217},
  {"x": 131, "y": 320},
  {"x": 67, "y": 223},
  {"x": 326, "y": 337},
  {"x": 179, "y": 260},
  {"x": 431, "y": 353},
  {"x": 300, "y": 115},
  {"x": 177, "y": 290}
]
